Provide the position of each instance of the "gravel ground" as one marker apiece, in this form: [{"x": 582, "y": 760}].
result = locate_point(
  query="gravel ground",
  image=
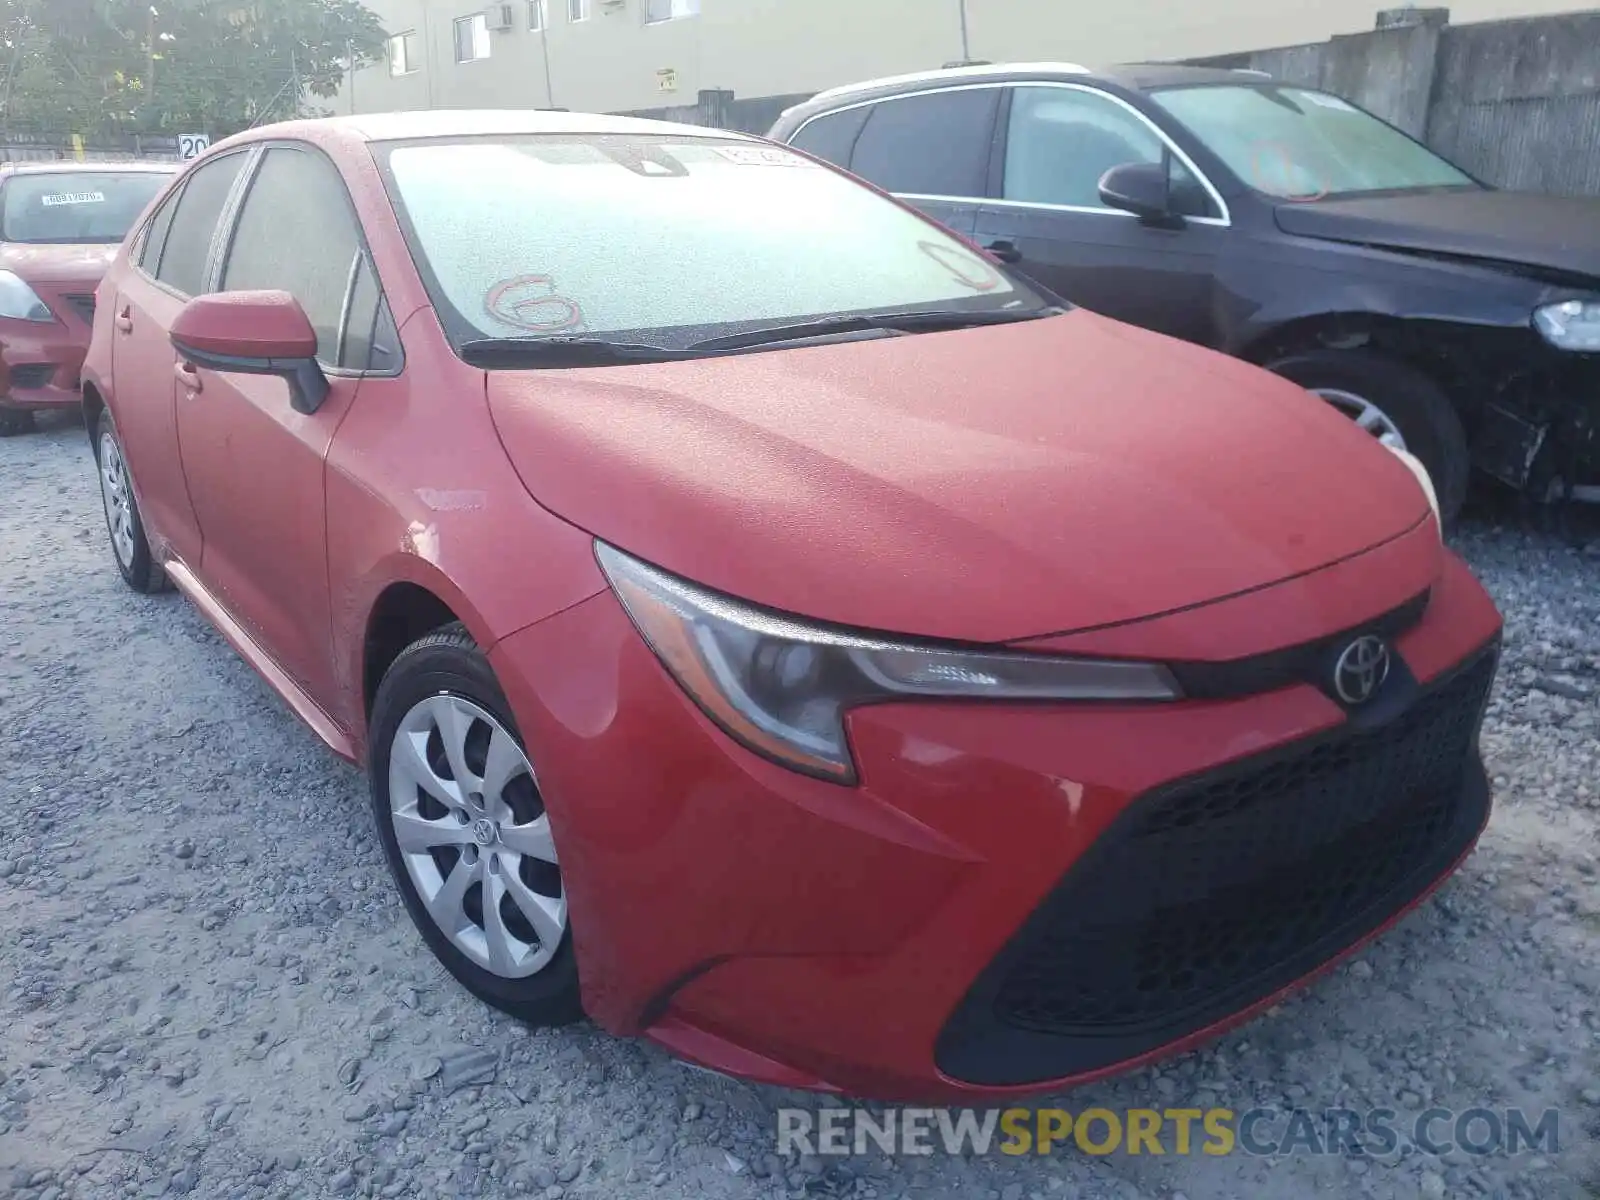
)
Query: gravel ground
[{"x": 208, "y": 985}]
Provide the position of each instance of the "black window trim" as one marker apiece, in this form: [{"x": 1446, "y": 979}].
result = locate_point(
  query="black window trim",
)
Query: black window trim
[
  {"x": 228, "y": 226},
  {"x": 997, "y": 160}
]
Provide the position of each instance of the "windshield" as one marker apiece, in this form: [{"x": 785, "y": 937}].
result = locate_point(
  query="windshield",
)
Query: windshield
[
  {"x": 1305, "y": 145},
  {"x": 75, "y": 206},
  {"x": 665, "y": 240}
]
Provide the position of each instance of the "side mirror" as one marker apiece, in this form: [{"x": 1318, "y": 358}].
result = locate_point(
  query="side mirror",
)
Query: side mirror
[
  {"x": 254, "y": 333},
  {"x": 1141, "y": 189}
]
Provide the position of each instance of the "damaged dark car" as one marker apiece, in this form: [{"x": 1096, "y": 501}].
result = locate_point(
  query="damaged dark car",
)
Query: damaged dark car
[{"x": 1278, "y": 223}]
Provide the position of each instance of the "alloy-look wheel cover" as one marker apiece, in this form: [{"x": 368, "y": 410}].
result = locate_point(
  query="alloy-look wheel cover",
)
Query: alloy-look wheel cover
[
  {"x": 475, "y": 839},
  {"x": 118, "y": 498},
  {"x": 1365, "y": 414}
]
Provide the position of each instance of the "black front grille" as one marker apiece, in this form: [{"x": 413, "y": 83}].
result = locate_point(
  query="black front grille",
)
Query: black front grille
[
  {"x": 1218, "y": 891},
  {"x": 83, "y": 305},
  {"x": 32, "y": 375}
]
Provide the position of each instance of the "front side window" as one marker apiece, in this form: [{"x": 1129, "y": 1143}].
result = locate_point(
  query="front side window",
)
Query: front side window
[
  {"x": 296, "y": 233},
  {"x": 666, "y": 240},
  {"x": 669, "y": 10},
  {"x": 936, "y": 144},
  {"x": 472, "y": 38},
  {"x": 194, "y": 224},
  {"x": 405, "y": 54},
  {"x": 75, "y": 207},
  {"x": 1299, "y": 144},
  {"x": 1061, "y": 141}
]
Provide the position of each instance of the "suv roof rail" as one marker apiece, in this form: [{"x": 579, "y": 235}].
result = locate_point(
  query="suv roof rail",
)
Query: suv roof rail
[
  {"x": 1058, "y": 68},
  {"x": 1252, "y": 71}
]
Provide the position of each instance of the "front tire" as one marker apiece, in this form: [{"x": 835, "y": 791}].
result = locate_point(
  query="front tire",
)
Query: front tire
[
  {"x": 465, "y": 831},
  {"x": 1398, "y": 405},
  {"x": 129, "y": 546}
]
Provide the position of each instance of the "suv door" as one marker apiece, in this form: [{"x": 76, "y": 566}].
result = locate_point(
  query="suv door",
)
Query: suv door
[
  {"x": 170, "y": 267},
  {"x": 254, "y": 466},
  {"x": 1049, "y": 221},
  {"x": 931, "y": 149}
]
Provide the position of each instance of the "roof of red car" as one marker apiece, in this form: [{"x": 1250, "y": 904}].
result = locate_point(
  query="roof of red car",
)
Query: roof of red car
[
  {"x": 431, "y": 123},
  {"x": 58, "y": 166}
]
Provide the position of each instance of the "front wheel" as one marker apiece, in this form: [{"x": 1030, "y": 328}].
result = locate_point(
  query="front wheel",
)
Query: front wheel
[
  {"x": 129, "y": 546},
  {"x": 465, "y": 832},
  {"x": 1398, "y": 405}
]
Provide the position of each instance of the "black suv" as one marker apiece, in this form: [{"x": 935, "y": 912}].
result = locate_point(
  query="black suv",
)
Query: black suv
[{"x": 1277, "y": 223}]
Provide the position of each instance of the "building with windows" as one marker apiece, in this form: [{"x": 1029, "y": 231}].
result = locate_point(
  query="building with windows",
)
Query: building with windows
[{"x": 622, "y": 55}]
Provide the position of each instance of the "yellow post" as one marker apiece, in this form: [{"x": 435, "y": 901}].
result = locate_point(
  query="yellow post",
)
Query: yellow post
[{"x": 77, "y": 146}]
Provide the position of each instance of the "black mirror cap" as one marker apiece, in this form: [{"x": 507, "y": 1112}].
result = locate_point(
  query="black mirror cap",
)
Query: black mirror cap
[{"x": 1139, "y": 188}]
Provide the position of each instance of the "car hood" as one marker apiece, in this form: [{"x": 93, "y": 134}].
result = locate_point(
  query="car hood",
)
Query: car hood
[
  {"x": 57, "y": 263},
  {"x": 981, "y": 485},
  {"x": 1554, "y": 233}
]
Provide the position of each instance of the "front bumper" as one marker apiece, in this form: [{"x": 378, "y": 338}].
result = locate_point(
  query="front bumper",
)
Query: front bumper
[
  {"x": 982, "y": 915},
  {"x": 40, "y": 363}
]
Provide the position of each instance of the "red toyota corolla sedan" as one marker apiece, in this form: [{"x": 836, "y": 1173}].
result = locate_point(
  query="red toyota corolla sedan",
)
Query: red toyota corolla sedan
[
  {"x": 770, "y": 626},
  {"x": 60, "y": 224}
]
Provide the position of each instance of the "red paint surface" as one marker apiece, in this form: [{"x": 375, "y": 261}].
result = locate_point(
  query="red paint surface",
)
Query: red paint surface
[{"x": 1110, "y": 491}]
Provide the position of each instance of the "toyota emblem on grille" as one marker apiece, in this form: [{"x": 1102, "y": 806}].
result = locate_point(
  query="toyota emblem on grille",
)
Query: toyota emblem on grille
[{"x": 1361, "y": 670}]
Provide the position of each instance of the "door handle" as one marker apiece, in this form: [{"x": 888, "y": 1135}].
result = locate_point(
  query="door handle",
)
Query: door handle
[
  {"x": 125, "y": 320},
  {"x": 188, "y": 376},
  {"x": 1004, "y": 250}
]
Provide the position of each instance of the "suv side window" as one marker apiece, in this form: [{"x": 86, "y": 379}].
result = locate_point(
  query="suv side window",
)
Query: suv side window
[
  {"x": 187, "y": 245},
  {"x": 297, "y": 233},
  {"x": 834, "y": 135},
  {"x": 933, "y": 144},
  {"x": 1060, "y": 141}
]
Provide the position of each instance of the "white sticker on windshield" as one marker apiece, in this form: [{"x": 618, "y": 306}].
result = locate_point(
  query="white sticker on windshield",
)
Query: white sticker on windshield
[
  {"x": 1326, "y": 101},
  {"x": 761, "y": 156},
  {"x": 74, "y": 198}
]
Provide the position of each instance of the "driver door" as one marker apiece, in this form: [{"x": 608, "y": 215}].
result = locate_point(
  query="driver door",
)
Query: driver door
[
  {"x": 1051, "y": 225},
  {"x": 254, "y": 466}
]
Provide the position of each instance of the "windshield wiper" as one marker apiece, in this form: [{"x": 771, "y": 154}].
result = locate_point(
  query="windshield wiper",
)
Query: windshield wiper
[
  {"x": 927, "y": 321},
  {"x": 563, "y": 352}
]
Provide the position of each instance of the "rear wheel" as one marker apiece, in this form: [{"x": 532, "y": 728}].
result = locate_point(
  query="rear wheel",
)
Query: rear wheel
[
  {"x": 129, "y": 546},
  {"x": 1398, "y": 405},
  {"x": 14, "y": 421},
  {"x": 464, "y": 828}
]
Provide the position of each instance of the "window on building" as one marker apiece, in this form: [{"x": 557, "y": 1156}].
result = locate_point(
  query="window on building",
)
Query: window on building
[
  {"x": 935, "y": 144},
  {"x": 577, "y": 10},
  {"x": 669, "y": 10},
  {"x": 1062, "y": 140},
  {"x": 536, "y": 21},
  {"x": 405, "y": 53},
  {"x": 472, "y": 37}
]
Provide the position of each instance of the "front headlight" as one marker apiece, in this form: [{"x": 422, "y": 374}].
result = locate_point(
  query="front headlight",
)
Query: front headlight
[
  {"x": 19, "y": 301},
  {"x": 1423, "y": 478},
  {"x": 782, "y": 686},
  {"x": 1570, "y": 325}
]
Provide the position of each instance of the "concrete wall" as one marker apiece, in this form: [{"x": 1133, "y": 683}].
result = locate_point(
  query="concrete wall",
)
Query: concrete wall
[{"x": 611, "y": 62}]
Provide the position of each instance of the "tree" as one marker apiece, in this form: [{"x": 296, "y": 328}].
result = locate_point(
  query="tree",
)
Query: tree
[{"x": 171, "y": 66}]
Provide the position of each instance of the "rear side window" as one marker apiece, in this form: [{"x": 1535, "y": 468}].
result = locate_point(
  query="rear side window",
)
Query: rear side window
[
  {"x": 297, "y": 233},
  {"x": 194, "y": 223},
  {"x": 935, "y": 144},
  {"x": 155, "y": 238},
  {"x": 832, "y": 137}
]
